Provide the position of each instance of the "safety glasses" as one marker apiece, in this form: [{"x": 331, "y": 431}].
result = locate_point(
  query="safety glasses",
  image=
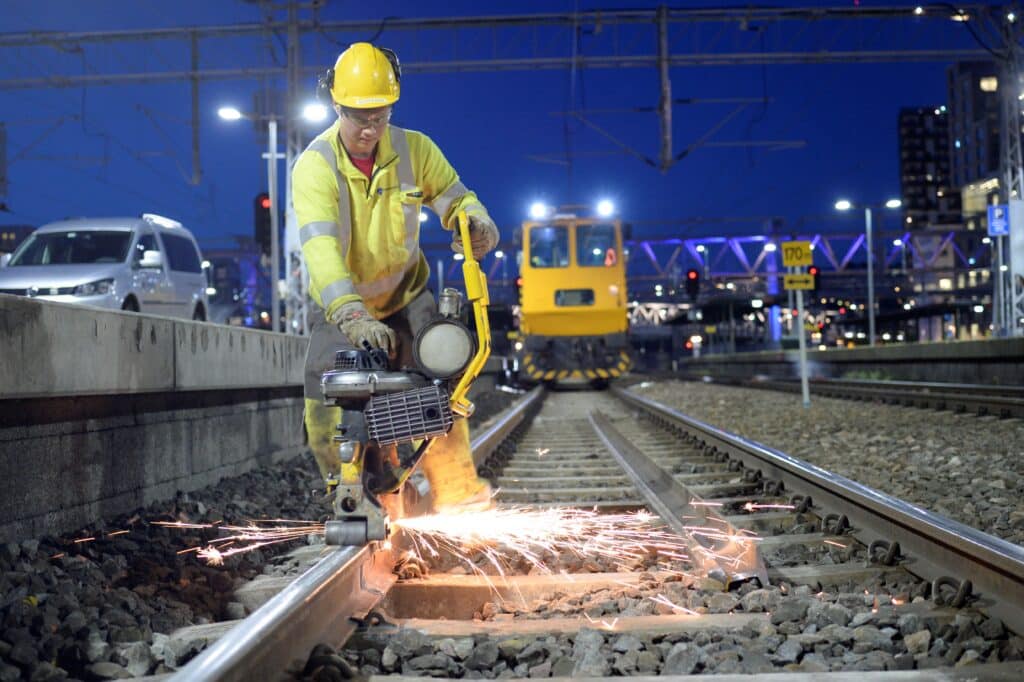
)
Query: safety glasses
[{"x": 360, "y": 121}]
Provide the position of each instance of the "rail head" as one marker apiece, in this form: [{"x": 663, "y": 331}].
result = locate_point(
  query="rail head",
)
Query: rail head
[{"x": 937, "y": 546}]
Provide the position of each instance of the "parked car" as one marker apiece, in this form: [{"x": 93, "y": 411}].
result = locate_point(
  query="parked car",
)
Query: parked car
[{"x": 148, "y": 264}]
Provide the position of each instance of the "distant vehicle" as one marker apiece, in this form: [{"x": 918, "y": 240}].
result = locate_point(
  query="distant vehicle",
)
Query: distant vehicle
[{"x": 148, "y": 264}]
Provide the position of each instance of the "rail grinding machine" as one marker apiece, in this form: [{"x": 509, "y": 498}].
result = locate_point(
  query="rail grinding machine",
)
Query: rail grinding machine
[{"x": 390, "y": 416}]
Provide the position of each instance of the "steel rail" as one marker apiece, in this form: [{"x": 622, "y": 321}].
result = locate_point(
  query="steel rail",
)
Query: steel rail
[
  {"x": 324, "y": 604},
  {"x": 484, "y": 444},
  {"x": 936, "y": 546},
  {"x": 1000, "y": 401}
]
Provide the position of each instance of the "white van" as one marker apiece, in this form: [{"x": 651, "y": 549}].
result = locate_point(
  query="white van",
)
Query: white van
[{"x": 149, "y": 264}]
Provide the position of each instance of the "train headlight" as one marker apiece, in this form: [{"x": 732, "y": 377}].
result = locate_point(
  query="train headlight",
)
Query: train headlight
[{"x": 443, "y": 348}]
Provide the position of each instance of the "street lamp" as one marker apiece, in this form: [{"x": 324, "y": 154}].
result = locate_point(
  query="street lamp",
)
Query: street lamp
[
  {"x": 846, "y": 205},
  {"x": 229, "y": 113}
]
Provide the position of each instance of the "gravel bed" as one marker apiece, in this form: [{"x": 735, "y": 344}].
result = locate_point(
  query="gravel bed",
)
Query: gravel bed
[
  {"x": 847, "y": 627},
  {"x": 101, "y": 609},
  {"x": 967, "y": 468}
]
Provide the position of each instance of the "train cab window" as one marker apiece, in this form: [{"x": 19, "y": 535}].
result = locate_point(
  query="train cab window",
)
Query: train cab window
[
  {"x": 571, "y": 297},
  {"x": 549, "y": 247},
  {"x": 595, "y": 246}
]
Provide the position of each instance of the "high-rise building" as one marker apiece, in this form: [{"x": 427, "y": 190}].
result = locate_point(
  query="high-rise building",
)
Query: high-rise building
[
  {"x": 926, "y": 188},
  {"x": 974, "y": 121}
]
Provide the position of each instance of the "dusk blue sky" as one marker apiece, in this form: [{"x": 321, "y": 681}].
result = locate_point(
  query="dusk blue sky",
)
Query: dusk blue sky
[{"x": 125, "y": 150}]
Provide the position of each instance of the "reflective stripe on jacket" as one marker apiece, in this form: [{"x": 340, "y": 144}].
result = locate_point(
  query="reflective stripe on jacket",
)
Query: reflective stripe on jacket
[{"x": 363, "y": 243}]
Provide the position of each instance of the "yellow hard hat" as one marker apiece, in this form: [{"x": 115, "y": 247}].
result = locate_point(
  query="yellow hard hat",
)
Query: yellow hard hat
[{"x": 366, "y": 77}]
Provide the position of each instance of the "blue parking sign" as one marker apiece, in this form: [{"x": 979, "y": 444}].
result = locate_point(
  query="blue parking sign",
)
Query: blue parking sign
[{"x": 998, "y": 220}]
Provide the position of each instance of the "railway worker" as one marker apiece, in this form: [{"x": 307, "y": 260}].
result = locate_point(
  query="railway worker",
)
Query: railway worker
[{"x": 357, "y": 190}]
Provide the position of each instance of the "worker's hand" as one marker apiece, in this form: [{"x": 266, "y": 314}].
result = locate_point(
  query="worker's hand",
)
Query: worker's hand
[
  {"x": 358, "y": 325},
  {"x": 483, "y": 236}
]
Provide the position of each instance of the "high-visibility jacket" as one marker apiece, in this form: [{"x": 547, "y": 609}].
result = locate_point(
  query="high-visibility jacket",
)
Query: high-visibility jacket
[{"x": 359, "y": 235}]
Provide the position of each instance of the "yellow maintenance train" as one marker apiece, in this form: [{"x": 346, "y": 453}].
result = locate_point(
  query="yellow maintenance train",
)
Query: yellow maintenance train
[{"x": 573, "y": 317}]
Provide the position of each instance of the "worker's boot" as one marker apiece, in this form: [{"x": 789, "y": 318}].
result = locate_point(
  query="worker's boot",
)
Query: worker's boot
[
  {"x": 448, "y": 466},
  {"x": 321, "y": 427}
]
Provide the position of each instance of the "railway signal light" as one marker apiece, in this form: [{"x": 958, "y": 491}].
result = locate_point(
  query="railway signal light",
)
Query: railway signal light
[
  {"x": 692, "y": 283},
  {"x": 261, "y": 221},
  {"x": 815, "y": 273}
]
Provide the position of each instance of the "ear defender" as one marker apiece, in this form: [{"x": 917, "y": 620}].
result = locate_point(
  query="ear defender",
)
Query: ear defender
[{"x": 323, "y": 87}]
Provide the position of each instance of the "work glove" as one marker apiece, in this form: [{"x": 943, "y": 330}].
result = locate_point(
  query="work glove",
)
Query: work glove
[
  {"x": 358, "y": 325},
  {"x": 483, "y": 236}
]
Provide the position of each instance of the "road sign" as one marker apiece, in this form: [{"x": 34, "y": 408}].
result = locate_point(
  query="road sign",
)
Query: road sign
[
  {"x": 998, "y": 220},
  {"x": 795, "y": 254},
  {"x": 801, "y": 281},
  {"x": 710, "y": 329}
]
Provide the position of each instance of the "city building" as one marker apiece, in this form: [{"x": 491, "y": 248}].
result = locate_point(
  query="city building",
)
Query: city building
[
  {"x": 974, "y": 121},
  {"x": 926, "y": 188}
]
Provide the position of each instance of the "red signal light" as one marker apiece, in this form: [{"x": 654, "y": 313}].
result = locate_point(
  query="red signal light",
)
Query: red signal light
[
  {"x": 689, "y": 345},
  {"x": 519, "y": 281},
  {"x": 265, "y": 202},
  {"x": 842, "y": 310},
  {"x": 692, "y": 274},
  {"x": 813, "y": 270}
]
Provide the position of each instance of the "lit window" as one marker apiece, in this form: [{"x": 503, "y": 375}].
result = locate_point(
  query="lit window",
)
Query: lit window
[{"x": 989, "y": 84}]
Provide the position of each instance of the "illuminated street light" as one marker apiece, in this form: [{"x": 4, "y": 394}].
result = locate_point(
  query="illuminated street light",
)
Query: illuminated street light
[
  {"x": 756, "y": 303},
  {"x": 314, "y": 112},
  {"x": 499, "y": 254},
  {"x": 979, "y": 308},
  {"x": 700, "y": 248},
  {"x": 538, "y": 210},
  {"x": 605, "y": 208},
  {"x": 458, "y": 256},
  {"x": 770, "y": 247},
  {"x": 843, "y": 205},
  {"x": 918, "y": 11},
  {"x": 229, "y": 113},
  {"x": 897, "y": 242},
  {"x": 893, "y": 203}
]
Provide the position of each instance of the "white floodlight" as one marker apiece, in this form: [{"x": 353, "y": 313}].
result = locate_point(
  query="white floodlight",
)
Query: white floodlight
[
  {"x": 756, "y": 303},
  {"x": 701, "y": 248},
  {"x": 897, "y": 242},
  {"x": 918, "y": 11},
  {"x": 770, "y": 247},
  {"x": 229, "y": 113},
  {"x": 499, "y": 254},
  {"x": 979, "y": 308},
  {"x": 314, "y": 112},
  {"x": 893, "y": 203},
  {"x": 539, "y": 210},
  {"x": 458, "y": 256},
  {"x": 843, "y": 205},
  {"x": 605, "y": 208},
  {"x": 423, "y": 216}
]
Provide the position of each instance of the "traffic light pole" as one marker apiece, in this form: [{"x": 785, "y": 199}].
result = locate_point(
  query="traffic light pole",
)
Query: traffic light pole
[
  {"x": 275, "y": 247},
  {"x": 805, "y": 389},
  {"x": 868, "y": 245}
]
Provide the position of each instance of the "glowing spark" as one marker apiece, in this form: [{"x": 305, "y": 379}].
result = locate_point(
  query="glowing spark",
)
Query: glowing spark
[
  {"x": 665, "y": 601},
  {"x": 751, "y": 506},
  {"x": 497, "y": 538},
  {"x": 58, "y": 556},
  {"x": 81, "y": 540},
  {"x": 241, "y": 539},
  {"x": 543, "y": 451},
  {"x": 701, "y": 503},
  {"x": 834, "y": 543},
  {"x": 117, "y": 532}
]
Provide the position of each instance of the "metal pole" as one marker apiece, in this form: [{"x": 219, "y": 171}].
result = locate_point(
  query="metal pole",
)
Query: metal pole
[
  {"x": 999, "y": 292},
  {"x": 665, "y": 102},
  {"x": 804, "y": 388},
  {"x": 275, "y": 247},
  {"x": 440, "y": 276},
  {"x": 871, "y": 276}
]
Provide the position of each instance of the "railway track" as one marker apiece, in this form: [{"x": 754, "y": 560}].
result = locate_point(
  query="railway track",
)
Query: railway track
[
  {"x": 839, "y": 577},
  {"x": 980, "y": 399}
]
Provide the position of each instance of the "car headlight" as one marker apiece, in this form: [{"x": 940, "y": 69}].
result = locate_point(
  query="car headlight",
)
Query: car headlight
[{"x": 98, "y": 288}]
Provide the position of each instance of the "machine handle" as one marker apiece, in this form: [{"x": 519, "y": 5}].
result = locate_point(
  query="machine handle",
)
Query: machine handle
[{"x": 476, "y": 292}]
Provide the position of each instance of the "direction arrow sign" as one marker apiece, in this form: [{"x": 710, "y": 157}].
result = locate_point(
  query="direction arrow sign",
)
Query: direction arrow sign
[{"x": 803, "y": 281}]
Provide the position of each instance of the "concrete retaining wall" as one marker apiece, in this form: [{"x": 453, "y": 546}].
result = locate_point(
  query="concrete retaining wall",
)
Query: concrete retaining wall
[
  {"x": 132, "y": 437},
  {"x": 995, "y": 361}
]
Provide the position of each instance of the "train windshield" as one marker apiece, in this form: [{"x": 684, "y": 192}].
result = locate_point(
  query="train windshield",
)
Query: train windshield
[
  {"x": 549, "y": 247},
  {"x": 595, "y": 246}
]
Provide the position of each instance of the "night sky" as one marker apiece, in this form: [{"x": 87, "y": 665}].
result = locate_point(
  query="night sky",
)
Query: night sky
[{"x": 126, "y": 149}]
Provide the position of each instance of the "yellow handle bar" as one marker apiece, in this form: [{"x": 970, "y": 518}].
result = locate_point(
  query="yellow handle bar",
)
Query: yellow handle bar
[{"x": 476, "y": 292}]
